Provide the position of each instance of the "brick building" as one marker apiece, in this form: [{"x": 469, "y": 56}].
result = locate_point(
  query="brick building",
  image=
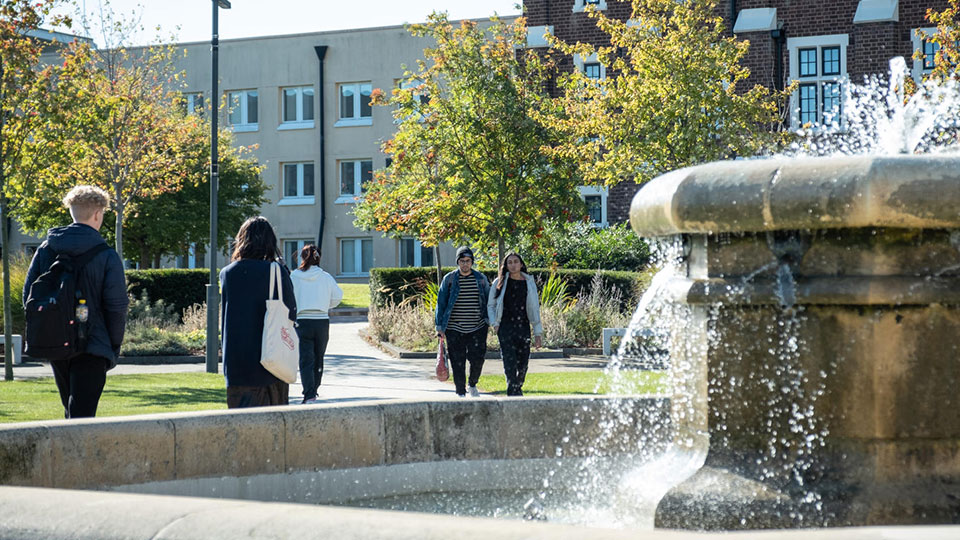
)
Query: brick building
[{"x": 820, "y": 44}]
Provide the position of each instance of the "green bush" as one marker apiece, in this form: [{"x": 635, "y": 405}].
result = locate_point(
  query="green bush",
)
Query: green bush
[
  {"x": 394, "y": 285},
  {"x": 178, "y": 288},
  {"x": 19, "y": 264},
  {"x": 582, "y": 246}
]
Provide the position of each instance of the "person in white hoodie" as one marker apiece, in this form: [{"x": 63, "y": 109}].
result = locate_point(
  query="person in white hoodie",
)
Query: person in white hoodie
[
  {"x": 317, "y": 293},
  {"x": 512, "y": 308}
]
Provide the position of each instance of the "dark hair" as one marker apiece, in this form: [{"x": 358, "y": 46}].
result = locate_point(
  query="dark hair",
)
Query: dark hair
[
  {"x": 256, "y": 240},
  {"x": 309, "y": 256},
  {"x": 503, "y": 270}
]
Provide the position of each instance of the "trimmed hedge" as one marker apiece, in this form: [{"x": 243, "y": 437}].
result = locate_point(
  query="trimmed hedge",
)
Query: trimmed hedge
[
  {"x": 394, "y": 285},
  {"x": 178, "y": 287}
]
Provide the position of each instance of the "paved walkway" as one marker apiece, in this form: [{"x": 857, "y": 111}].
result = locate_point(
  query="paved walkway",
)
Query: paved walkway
[{"x": 354, "y": 370}]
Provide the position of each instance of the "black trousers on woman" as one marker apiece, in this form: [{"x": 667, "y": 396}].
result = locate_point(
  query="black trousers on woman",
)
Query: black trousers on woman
[
  {"x": 314, "y": 335},
  {"x": 515, "y": 351},
  {"x": 462, "y": 348}
]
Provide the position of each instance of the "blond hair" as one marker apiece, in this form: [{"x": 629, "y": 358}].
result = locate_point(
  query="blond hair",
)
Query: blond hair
[{"x": 84, "y": 201}]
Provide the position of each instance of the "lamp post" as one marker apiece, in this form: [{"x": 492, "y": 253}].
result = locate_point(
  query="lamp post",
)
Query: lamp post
[{"x": 213, "y": 290}]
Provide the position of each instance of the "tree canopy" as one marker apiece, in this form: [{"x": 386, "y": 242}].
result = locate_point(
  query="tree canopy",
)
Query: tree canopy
[
  {"x": 671, "y": 98},
  {"x": 470, "y": 160}
]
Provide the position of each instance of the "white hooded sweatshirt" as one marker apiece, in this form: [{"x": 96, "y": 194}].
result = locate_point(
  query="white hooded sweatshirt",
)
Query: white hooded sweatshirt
[{"x": 316, "y": 291}]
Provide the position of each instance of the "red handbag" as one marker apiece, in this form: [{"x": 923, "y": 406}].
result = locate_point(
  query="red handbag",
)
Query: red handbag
[{"x": 443, "y": 373}]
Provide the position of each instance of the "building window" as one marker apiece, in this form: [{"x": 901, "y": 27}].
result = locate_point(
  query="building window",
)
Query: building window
[
  {"x": 356, "y": 256},
  {"x": 578, "y": 5},
  {"x": 243, "y": 110},
  {"x": 595, "y": 200},
  {"x": 190, "y": 260},
  {"x": 355, "y": 109},
  {"x": 291, "y": 251},
  {"x": 192, "y": 103},
  {"x": 819, "y": 65},
  {"x": 592, "y": 70},
  {"x": 929, "y": 54},
  {"x": 353, "y": 175},
  {"x": 590, "y": 67},
  {"x": 413, "y": 253},
  {"x": 297, "y": 183},
  {"x": 297, "y": 105}
]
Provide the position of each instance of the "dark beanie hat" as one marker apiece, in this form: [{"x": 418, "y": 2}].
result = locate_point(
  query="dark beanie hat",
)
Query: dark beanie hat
[{"x": 464, "y": 251}]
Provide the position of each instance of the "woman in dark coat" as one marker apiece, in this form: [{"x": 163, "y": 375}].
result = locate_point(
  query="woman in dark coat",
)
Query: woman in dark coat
[{"x": 244, "y": 286}]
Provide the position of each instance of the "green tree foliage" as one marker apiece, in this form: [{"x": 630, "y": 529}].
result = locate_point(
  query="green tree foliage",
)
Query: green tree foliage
[
  {"x": 671, "y": 98},
  {"x": 167, "y": 223},
  {"x": 114, "y": 124},
  {"x": 24, "y": 95},
  {"x": 469, "y": 159},
  {"x": 945, "y": 39}
]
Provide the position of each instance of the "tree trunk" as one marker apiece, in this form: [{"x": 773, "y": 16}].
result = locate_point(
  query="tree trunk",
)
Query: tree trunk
[
  {"x": 144, "y": 257},
  {"x": 436, "y": 256},
  {"x": 5, "y": 247},
  {"x": 156, "y": 261},
  {"x": 501, "y": 250},
  {"x": 119, "y": 225},
  {"x": 7, "y": 308}
]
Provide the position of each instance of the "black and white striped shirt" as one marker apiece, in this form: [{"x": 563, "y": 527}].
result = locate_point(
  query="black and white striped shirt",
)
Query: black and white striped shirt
[{"x": 465, "y": 317}]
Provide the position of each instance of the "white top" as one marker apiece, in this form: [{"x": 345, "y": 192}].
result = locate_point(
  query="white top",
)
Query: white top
[{"x": 316, "y": 291}]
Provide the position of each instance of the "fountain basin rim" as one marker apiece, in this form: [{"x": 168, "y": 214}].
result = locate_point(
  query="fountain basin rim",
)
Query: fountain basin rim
[
  {"x": 898, "y": 291},
  {"x": 801, "y": 194}
]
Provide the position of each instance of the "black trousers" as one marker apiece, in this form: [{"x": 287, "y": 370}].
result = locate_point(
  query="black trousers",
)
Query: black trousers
[
  {"x": 239, "y": 397},
  {"x": 515, "y": 351},
  {"x": 80, "y": 381},
  {"x": 462, "y": 348},
  {"x": 314, "y": 335}
]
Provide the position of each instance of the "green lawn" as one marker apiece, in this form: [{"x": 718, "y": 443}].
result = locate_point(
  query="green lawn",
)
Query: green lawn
[
  {"x": 579, "y": 382},
  {"x": 37, "y": 399},
  {"x": 355, "y": 295}
]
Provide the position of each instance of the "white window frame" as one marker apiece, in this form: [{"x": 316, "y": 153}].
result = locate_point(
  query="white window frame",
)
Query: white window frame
[
  {"x": 190, "y": 102},
  {"x": 351, "y": 198},
  {"x": 579, "y": 61},
  {"x": 417, "y": 252},
  {"x": 356, "y": 119},
  {"x": 245, "y": 125},
  {"x": 299, "y": 199},
  {"x": 357, "y": 256},
  {"x": 586, "y": 191},
  {"x": 300, "y": 122},
  {"x": 579, "y": 5},
  {"x": 794, "y": 45},
  {"x": 294, "y": 262}
]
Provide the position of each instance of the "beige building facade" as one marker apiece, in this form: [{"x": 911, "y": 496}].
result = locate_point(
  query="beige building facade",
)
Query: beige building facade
[{"x": 303, "y": 102}]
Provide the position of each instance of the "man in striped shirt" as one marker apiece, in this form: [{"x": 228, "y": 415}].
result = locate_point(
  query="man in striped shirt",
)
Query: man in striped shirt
[{"x": 461, "y": 320}]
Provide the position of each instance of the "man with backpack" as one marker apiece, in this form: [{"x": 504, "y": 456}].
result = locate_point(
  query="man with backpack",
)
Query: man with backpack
[{"x": 75, "y": 297}]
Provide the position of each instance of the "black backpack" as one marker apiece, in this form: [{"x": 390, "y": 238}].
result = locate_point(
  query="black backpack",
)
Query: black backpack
[{"x": 52, "y": 332}]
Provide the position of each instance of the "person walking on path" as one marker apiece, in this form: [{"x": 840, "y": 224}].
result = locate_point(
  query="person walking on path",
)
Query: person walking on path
[
  {"x": 81, "y": 378},
  {"x": 513, "y": 306},
  {"x": 317, "y": 293},
  {"x": 245, "y": 285},
  {"x": 461, "y": 320}
]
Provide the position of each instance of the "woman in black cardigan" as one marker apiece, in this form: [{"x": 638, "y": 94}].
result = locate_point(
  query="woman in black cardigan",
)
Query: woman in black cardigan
[{"x": 244, "y": 286}]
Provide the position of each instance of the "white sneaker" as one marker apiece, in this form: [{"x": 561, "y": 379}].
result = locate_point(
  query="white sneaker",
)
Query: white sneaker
[{"x": 473, "y": 391}]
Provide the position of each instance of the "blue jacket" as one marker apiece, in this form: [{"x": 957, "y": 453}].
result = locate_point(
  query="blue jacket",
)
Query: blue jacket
[
  {"x": 102, "y": 280},
  {"x": 244, "y": 286},
  {"x": 447, "y": 297}
]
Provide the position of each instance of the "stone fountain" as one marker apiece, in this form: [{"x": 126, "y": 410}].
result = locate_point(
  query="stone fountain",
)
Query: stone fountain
[{"x": 819, "y": 365}]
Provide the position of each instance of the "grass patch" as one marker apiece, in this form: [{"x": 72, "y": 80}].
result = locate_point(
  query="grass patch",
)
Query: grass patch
[
  {"x": 580, "y": 382},
  {"x": 355, "y": 295},
  {"x": 38, "y": 399}
]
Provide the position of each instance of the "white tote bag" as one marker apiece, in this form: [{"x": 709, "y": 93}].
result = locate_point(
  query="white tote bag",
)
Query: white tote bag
[{"x": 280, "y": 350}]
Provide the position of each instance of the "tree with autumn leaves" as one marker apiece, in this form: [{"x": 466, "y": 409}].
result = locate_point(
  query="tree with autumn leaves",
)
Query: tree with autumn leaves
[
  {"x": 470, "y": 161},
  {"x": 24, "y": 98},
  {"x": 672, "y": 96}
]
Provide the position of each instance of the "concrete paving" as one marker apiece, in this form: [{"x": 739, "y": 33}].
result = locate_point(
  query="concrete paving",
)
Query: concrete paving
[{"x": 355, "y": 370}]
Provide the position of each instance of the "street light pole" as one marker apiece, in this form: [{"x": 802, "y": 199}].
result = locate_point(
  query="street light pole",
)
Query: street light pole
[{"x": 213, "y": 289}]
